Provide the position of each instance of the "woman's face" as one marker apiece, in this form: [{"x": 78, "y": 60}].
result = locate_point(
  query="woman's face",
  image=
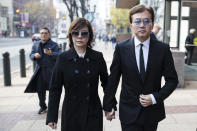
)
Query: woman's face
[{"x": 80, "y": 37}]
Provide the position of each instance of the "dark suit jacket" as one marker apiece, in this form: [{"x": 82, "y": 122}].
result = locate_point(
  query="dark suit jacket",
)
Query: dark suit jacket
[{"x": 160, "y": 63}]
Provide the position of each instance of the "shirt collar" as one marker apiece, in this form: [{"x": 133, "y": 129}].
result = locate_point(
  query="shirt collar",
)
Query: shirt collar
[
  {"x": 145, "y": 43},
  {"x": 81, "y": 55}
]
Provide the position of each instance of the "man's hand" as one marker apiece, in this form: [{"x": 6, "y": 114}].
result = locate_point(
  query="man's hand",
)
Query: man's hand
[
  {"x": 110, "y": 115},
  {"x": 53, "y": 125},
  {"x": 37, "y": 55},
  {"x": 47, "y": 51},
  {"x": 145, "y": 100}
]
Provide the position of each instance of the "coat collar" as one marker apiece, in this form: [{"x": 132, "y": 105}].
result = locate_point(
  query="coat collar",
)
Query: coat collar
[
  {"x": 46, "y": 43},
  {"x": 72, "y": 54}
]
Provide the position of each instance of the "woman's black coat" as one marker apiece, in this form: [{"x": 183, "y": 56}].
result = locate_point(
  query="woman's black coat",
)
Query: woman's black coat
[{"x": 82, "y": 109}]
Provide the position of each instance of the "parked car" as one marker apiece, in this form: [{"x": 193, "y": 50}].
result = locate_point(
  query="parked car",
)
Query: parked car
[{"x": 35, "y": 37}]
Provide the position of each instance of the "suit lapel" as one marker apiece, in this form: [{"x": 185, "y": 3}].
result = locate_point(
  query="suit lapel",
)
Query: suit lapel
[
  {"x": 131, "y": 50},
  {"x": 150, "y": 58}
]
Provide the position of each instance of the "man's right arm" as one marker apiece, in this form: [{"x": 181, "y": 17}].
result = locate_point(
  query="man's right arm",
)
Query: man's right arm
[{"x": 33, "y": 52}]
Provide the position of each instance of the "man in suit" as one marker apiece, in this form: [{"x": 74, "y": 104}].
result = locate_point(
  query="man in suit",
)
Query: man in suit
[{"x": 142, "y": 62}]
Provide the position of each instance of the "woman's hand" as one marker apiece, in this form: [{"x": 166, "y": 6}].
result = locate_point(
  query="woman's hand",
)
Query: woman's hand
[
  {"x": 110, "y": 115},
  {"x": 53, "y": 125}
]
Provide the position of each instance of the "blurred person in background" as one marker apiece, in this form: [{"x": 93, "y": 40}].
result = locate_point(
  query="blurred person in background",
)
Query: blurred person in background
[
  {"x": 155, "y": 31},
  {"x": 44, "y": 53},
  {"x": 188, "y": 45},
  {"x": 113, "y": 40}
]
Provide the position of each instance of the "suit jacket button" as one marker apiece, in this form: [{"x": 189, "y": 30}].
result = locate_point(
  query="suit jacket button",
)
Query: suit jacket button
[
  {"x": 88, "y": 85},
  {"x": 75, "y": 59},
  {"x": 76, "y": 71},
  {"x": 87, "y": 59},
  {"x": 88, "y": 71},
  {"x": 87, "y": 98}
]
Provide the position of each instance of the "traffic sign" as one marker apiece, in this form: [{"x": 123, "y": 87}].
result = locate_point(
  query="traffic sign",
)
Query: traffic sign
[{"x": 89, "y": 16}]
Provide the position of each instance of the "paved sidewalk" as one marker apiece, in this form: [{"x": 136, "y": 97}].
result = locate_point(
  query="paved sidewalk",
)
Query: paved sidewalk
[{"x": 18, "y": 111}]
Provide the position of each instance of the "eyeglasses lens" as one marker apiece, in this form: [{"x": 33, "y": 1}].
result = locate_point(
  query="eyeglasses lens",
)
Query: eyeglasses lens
[
  {"x": 83, "y": 34},
  {"x": 145, "y": 21}
]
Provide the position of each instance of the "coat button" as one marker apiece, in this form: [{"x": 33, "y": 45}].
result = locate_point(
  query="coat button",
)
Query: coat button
[
  {"x": 87, "y": 59},
  {"x": 88, "y": 71},
  {"x": 75, "y": 59},
  {"x": 76, "y": 71},
  {"x": 87, "y": 98},
  {"x": 88, "y": 85}
]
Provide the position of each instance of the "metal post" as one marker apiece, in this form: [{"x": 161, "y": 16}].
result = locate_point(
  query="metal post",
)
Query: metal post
[
  {"x": 167, "y": 21},
  {"x": 61, "y": 46},
  {"x": 6, "y": 69},
  {"x": 22, "y": 63},
  {"x": 179, "y": 24},
  {"x": 64, "y": 46}
]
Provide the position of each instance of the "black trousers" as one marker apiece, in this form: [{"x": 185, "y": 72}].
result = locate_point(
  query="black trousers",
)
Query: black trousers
[
  {"x": 189, "y": 55},
  {"x": 139, "y": 127},
  {"x": 41, "y": 90}
]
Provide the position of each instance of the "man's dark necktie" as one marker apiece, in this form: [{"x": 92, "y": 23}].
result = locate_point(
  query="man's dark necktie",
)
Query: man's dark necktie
[{"x": 142, "y": 68}]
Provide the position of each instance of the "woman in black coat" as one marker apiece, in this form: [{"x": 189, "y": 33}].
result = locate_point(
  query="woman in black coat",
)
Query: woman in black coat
[{"x": 78, "y": 70}]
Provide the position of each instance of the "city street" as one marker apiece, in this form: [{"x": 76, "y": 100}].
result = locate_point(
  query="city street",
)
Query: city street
[
  {"x": 18, "y": 111},
  {"x": 171, "y": 21},
  {"x": 13, "y": 46}
]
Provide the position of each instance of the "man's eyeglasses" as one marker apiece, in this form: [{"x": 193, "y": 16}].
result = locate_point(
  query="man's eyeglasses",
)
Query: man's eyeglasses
[
  {"x": 83, "y": 34},
  {"x": 146, "y": 22}
]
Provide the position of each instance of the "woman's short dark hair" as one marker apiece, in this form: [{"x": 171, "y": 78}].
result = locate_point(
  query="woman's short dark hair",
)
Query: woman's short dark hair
[
  {"x": 140, "y": 9},
  {"x": 78, "y": 24}
]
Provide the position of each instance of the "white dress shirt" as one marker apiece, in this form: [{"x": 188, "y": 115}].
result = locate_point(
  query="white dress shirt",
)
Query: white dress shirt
[
  {"x": 81, "y": 55},
  {"x": 145, "y": 49}
]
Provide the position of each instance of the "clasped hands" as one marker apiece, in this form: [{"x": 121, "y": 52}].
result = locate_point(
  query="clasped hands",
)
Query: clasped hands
[
  {"x": 110, "y": 115},
  {"x": 46, "y": 51},
  {"x": 53, "y": 125},
  {"x": 145, "y": 101}
]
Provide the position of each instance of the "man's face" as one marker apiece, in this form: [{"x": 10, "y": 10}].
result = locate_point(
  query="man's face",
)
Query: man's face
[
  {"x": 141, "y": 25},
  {"x": 44, "y": 35}
]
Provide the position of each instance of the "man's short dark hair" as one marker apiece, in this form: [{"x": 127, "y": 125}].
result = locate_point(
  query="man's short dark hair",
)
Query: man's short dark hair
[
  {"x": 139, "y": 9},
  {"x": 45, "y": 28}
]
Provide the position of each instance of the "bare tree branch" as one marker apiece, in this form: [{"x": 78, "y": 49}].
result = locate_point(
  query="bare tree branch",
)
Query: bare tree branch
[{"x": 74, "y": 6}]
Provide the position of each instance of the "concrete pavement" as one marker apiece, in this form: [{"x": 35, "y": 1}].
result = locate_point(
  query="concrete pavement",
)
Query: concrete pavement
[{"x": 18, "y": 111}]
